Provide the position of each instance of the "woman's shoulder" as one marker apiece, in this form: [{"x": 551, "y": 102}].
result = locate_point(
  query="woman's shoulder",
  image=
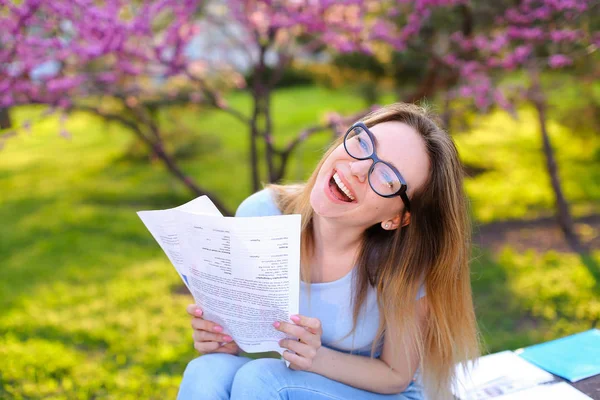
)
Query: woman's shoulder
[{"x": 259, "y": 204}]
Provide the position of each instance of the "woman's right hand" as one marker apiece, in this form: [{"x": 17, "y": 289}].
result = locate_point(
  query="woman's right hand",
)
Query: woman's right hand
[{"x": 208, "y": 336}]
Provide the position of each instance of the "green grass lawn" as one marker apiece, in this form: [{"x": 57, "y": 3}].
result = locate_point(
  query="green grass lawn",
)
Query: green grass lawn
[{"x": 90, "y": 307}]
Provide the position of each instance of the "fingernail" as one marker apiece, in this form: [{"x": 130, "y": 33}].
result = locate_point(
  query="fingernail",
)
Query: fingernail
[
  {"x": 276, "y": 324},
  {"x": 227, "y": 338},
  {"x": 198, "y": 312},
  {"x": 295, "y": 318},
  {"x": 218, "y": 328}
]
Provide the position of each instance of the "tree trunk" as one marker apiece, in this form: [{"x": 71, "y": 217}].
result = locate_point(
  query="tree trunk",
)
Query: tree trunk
[
  {"x": 254, "y": 176},
  {"x": 564, "y": 218},
  {"x": 261, "y": 129},
  {"x": 280, "y": 172},
  {"x": 268, "y": 135},
  {"x": 428, "y": 85},
  {"x": 5, "y": 121},
  {"x": 258, "y": 89}
]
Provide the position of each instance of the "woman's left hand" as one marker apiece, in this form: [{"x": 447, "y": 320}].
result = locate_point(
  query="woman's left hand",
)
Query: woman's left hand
[{"x": 308, "y": 331}]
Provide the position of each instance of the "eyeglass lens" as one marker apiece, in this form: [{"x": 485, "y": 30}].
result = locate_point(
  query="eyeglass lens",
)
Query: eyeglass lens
[{"x": 382, "y": 178}]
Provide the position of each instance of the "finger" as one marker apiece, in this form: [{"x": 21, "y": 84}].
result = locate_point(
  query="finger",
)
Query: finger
[
  {"x": 231, "y": 345},
  {"x": 300, "y": 348},
  {"x": 204, "y": 336},
  {"x": 295, "y": 359},
  {"x": 314, "y": 324},
  {"x": 204, "y": 325},
  {"x": 225, "y": 350},
  {"x": 206, "y": 347},
  {"x": 296, "y": 331},
  {"x": 194, "y": 310},
  {"x": 229, "y": 348}
]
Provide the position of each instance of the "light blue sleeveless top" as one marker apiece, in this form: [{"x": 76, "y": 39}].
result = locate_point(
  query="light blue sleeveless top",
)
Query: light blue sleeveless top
[{"x": 331, "y": 302}]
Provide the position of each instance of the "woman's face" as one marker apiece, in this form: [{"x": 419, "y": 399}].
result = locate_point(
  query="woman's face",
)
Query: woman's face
[{"x": 397, "y": 144}]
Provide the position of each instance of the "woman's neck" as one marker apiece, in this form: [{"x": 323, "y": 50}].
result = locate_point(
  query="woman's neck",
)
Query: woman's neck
[{"x": 333, "y": 241}]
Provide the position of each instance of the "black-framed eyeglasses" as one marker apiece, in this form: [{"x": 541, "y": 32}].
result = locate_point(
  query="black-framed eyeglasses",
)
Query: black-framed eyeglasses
[{"x": 384, "y": 178}]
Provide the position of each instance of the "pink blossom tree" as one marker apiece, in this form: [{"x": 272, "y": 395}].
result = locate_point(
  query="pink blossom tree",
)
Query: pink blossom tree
[
  {"x": 105, "y": 58},
  {"x": 532, "y": 36},
  {"x": 468, "y": 49}
]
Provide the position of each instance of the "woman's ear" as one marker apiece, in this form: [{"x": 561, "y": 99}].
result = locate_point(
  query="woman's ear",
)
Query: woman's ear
[
  {"x": 394, "y": 223},
  {"x": 406, "y": 219}
]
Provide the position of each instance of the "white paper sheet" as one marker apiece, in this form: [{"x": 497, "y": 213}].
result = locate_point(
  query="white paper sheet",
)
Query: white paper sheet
[
  {"x": 243, "y": 272},
  {"x": 162, "y": 226},
  {"x": 554, "y": 391},
  {"x": 498, "y": 374}
]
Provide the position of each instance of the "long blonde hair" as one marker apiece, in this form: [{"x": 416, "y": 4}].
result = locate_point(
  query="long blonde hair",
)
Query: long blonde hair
[{"x": 432, "y": 250}]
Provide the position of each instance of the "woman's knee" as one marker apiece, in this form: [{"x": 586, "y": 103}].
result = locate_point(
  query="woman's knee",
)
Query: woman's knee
[
  {"x": 259, "y": 379},
  {"x": 216, "y": 363},
  {"x": 210, "y": 376}
]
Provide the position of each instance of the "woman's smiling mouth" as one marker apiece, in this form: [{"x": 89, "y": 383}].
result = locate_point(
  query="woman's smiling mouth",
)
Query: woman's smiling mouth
[{"x": 339, "y": 190}]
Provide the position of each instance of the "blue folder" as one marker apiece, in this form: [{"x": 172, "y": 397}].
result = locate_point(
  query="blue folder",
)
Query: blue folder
[{"x": 574, "y": 357}]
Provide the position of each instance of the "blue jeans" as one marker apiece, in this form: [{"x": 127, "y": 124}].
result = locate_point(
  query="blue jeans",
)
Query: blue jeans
[{"x": 223, "y": 376}]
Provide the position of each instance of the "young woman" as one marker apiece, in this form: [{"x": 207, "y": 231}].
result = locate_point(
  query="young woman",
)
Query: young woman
[{"x": 385, "y": 296}]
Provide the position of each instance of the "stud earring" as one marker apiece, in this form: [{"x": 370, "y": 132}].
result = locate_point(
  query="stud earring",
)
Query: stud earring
[{"x": 387, "y": 226}]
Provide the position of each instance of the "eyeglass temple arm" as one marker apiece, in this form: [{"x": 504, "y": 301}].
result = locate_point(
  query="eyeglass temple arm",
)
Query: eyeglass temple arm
[{"x": 404, "y": 198}]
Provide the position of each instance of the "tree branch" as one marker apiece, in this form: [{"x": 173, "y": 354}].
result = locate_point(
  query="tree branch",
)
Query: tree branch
[
  {"x": 159, "y": 151},
  {"x": 212, "y": 95}
]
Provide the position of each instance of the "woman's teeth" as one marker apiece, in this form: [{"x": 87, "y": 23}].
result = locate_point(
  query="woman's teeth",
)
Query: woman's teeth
[{"x": 342, "y": 187}]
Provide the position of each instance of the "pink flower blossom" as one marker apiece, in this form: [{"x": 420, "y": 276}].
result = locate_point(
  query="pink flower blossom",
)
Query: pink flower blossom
[
  {"x": 466, "y": 91},
  {"x": 564, "y": 35},
  {"x": 451, "y": 60},
  {"x": 559, "y": 61}
]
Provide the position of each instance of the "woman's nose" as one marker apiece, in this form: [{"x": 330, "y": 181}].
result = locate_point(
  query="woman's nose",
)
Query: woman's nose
[{"x": 360, "y": 169}]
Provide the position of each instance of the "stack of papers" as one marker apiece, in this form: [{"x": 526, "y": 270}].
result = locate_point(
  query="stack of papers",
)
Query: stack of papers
[
  {"x": 498, "y": 374},
  {"x": 506, "y": 376}
]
